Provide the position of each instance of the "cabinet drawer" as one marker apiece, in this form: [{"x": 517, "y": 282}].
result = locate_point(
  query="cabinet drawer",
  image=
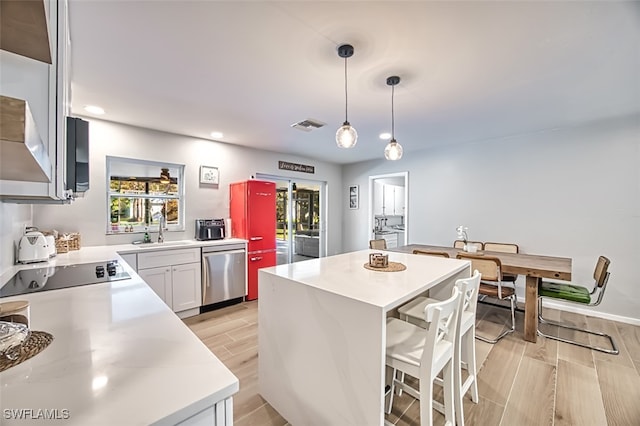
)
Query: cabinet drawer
[{"x": 168, "y": 257}]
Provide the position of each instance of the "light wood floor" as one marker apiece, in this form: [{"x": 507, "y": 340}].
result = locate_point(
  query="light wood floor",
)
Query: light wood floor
[{"x": 520, "y": 383}]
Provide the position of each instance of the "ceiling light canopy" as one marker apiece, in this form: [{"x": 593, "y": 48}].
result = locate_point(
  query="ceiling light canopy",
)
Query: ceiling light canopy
[
  {"x": 393, "y": 150},
  {"x": 346, "y": 136}
]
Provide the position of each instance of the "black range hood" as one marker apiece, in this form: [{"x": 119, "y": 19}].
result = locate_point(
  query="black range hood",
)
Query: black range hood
[{"x": 77, "y": 179}]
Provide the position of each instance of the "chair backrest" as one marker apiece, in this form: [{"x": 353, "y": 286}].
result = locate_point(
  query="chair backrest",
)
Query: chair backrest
[
  {"x": 380, "y": 244},
  {"x": 431, "y": 253},
  {"x": 502, "y": 247},
  {"x": 442, "y": 322},
  {"x": 600, "y": 274},
  {"x": 489, "y": 267},
  {"x": 459, "y": 244},
  {"x": 469, "y": 292}
]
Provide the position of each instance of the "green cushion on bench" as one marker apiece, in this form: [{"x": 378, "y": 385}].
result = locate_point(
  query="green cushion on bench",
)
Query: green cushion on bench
[{"x": 573, "y": 293}]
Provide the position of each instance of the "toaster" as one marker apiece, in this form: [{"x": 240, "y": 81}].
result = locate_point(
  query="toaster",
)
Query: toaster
[
  {"x": 33, "y": 248},
  {"x": 209, "y": 229}
]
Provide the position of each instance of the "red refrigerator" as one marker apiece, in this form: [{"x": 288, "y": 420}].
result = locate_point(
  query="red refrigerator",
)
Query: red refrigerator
[{"x": 252, "y": 206}]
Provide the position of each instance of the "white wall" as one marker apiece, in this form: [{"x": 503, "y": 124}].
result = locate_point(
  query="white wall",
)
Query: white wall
[
  {"x": 571, "y": 192},
  {"x": 235, "y": 163},
  {"x": 13, "y": 219}
]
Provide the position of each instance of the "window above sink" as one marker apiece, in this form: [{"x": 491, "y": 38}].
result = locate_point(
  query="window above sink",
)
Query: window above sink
[{"x": 140, "y": 192}]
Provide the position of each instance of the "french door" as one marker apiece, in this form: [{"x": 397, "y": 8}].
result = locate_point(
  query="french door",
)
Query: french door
[{"x": 300, "y": 229}]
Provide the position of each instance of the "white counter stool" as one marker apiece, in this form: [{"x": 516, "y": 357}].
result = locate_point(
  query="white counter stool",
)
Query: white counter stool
[
  {"x": 465, "y": 352},
  {"x": 424, "y": 353}
]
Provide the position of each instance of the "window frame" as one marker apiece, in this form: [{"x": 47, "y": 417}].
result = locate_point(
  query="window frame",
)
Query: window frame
[{"x": 179, "y": 226}]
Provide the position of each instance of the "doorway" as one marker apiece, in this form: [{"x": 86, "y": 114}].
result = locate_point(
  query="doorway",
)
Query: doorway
[
  {"x": 300, "y": 223},
  {"x": 388, "y": 208}
]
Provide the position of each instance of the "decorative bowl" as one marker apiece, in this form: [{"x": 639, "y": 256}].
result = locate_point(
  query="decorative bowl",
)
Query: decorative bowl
[{"x": 12, "y": 336}]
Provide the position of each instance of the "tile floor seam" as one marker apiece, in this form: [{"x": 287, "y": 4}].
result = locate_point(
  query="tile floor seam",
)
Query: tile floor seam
[{"x": 506, "y": 403}]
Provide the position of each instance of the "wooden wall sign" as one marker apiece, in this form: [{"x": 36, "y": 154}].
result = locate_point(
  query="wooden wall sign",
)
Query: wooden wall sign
[{"x": 294, "y": 167}]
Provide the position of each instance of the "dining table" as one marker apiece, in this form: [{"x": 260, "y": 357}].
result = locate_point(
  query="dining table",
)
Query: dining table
[{"x": 533, "y": 266}]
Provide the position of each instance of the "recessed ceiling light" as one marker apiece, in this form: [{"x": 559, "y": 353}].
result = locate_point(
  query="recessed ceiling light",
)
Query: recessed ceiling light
[
  {"x": 216, "y": 135},
  {"x": 94, "y": 109},
  {"x": 385, "y": 136}
]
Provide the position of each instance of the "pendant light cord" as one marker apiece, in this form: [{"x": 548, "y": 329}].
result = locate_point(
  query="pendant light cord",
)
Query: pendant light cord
[
  {"x": 392, "y": 114},
  {"x": 346, "y": 118}
]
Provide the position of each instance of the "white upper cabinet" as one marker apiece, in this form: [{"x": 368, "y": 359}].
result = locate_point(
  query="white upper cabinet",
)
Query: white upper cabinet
[
  {"x": 398, "y": 201},
  {"x": 46, "y": 90},
  {"x": 388, "y": 199}
]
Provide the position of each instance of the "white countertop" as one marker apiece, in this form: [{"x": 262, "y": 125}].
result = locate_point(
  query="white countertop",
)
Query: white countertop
[
  {"x": 345, "y": 275},
  {"x": 99, "y": 253},
  {"x": 119, "y": 354}
]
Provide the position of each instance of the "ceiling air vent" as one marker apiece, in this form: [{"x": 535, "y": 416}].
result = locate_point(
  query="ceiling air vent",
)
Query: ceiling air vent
[{"x": 308, "y": 125}]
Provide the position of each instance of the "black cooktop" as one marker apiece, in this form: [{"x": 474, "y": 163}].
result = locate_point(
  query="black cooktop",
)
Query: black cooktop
[{"x": 57, "y": 277}]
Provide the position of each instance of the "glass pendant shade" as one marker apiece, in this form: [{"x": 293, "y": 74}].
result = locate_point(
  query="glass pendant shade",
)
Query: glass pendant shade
[
  {"x": 346, "y": 136},
  {"x": 393, "y": 150}
]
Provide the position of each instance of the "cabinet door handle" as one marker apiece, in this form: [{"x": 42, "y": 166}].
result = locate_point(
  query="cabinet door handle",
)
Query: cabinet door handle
[{"x": 254, "y": 259}]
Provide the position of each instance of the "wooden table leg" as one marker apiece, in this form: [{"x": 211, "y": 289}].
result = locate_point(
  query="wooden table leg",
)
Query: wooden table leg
[{"x": 531, "y": 309}]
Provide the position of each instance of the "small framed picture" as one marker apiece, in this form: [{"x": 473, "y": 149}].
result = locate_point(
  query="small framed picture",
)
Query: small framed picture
[
  {"x": 353, "y": 197},
  {"x": 209, "y": 175}
]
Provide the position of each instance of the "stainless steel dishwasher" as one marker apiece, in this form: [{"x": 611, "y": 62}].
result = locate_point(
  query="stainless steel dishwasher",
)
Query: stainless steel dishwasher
[{"x": 224, "y": 273}]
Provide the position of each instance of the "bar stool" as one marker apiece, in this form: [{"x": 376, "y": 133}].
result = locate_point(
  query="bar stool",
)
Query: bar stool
[
  {"x": 465, "y": 352},
  {"x": 424, "y": 354}
]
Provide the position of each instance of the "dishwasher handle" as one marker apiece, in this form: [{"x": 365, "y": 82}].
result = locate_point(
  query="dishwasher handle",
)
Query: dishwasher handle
[{"x": 205, "y": 278}]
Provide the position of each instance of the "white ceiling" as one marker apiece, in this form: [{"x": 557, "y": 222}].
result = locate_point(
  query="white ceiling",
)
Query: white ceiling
[{"x": 469, "y": 70}]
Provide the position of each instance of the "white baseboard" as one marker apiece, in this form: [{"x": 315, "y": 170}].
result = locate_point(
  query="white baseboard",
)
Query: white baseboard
[
  {"x": 579, "y": 310},
  {"x": 589, "y": 312}
]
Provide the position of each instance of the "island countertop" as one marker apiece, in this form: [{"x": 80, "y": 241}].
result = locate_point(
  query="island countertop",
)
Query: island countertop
[{"x": 119, "y": 356}]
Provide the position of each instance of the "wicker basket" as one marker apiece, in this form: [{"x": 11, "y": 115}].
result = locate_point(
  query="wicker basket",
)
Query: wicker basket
[{"x": 68, "y": 242}]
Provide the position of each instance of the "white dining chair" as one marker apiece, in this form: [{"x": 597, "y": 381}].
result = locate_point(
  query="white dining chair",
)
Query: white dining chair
[
  {"x": 423, "y": 354},
  {"x": 465, "y": 352}
]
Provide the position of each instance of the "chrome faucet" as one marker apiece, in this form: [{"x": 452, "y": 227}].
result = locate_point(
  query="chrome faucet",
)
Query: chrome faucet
[{"x": 163, "y": 222}]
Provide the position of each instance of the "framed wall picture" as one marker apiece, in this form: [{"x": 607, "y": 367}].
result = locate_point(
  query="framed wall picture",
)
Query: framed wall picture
[
  {"x": 209, "y": 175},
  {"x": 353, "y": 197}
]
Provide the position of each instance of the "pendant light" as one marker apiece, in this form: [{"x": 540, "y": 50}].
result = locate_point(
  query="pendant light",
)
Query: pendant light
[
  {"x": 346, "y": 136},
  {"x": 393, "y": 150}
]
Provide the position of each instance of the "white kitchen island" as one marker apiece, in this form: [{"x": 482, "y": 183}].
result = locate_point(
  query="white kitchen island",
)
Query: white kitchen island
[
  {"x": 321, "y": 332},
  {"x": 119, "y": 356}
]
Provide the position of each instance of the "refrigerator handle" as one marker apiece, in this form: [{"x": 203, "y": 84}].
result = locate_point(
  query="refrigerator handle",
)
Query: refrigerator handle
[
  {"x": 255, "y": 259},
  {"x": 255, "y": 238}
]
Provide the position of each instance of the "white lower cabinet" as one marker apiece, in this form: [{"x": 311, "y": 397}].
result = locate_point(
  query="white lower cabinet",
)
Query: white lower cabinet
[
  {"x": 159, "y": 279},
  {"x": 186, "y": 288},
  {"x": 178, "y": 284}
]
